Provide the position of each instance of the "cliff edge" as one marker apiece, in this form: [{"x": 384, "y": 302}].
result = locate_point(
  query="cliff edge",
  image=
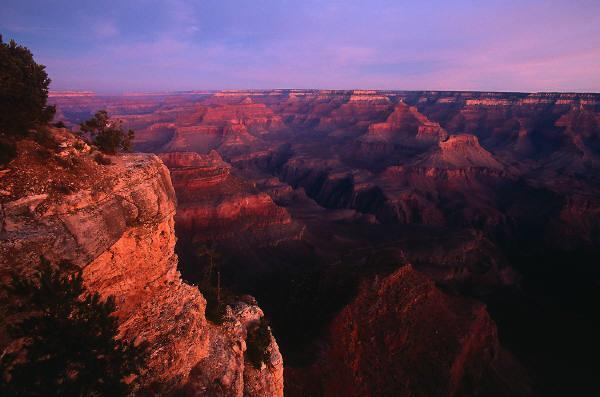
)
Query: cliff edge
[{"x": 61, "y": 199}]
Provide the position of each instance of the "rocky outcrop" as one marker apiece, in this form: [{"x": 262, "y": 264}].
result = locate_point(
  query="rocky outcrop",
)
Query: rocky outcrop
[
  {"x": 256, "y": 117},
  {"x": 116, "y": 223},
  {"x": 401, "y": 336},
  {"x": 226, "y": 126},
  {"x": 216, "y": 205},
  {"x": 361, "y": 109},
  {"x": 224, "y": 371},
  {"x": 406, "y": 126},
  {"x": 460, "y": 151},
  {"x": 582, "y": 132}
]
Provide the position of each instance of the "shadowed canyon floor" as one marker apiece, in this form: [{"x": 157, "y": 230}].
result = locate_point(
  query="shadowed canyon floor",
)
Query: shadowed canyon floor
[{"x": 373, "y": 226}]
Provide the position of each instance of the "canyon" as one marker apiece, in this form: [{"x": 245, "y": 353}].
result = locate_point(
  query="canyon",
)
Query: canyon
[{"x": 401, "y": 242}]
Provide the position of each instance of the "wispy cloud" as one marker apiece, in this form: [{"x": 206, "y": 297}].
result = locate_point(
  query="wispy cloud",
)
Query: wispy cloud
[
  {"x": 105, "y": 29},
  {"x": 184, "y": 44}
]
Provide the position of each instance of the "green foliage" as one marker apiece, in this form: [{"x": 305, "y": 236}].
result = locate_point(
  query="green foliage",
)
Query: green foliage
[
  {"x": 258, "y": 342},
  {"x": 23, "y": 90},
  {"x": 69, "y": 341},
  {"x": 107, "y": 134}
]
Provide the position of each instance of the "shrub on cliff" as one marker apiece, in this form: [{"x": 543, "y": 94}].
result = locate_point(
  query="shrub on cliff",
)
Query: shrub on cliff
[
  {"x": 23, "y": 90},
  {"x": 107, "y": 134},
  {"x": 258, "y": 342},
  {"x": 209, "y": 260},
  {"x": 67, "y": 339}
]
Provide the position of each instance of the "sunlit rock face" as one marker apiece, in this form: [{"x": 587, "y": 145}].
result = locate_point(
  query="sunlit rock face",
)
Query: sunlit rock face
[
  {"x": 460, "y": 152},
  {"x": 224, "y": 372},
  {"x": 116, "y": 223},
  {"x": 225, "y": 127},
  {"x": 406, "y": 126},
  {"x": 356, "y": 113},
  {"x": 214, "y": 205}
]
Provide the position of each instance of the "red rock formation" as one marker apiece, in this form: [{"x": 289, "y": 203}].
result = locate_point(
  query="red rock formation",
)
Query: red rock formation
[
  {"x": 401, "y": 336},
  {"x": 582, "y": 130},
  {"x": 224, "y": 372},
  {"x": 361, "y": 109},
  {"x": 116, "y": 223},
  {"x": 214, "y": 204},
  {"x": 305, "y": 109},
  {"x": 406, "y": 126},
  {"x": 256, "y": 117},
  {"x": 460, "y": 151},
  {"x": 225, "y": 126}
]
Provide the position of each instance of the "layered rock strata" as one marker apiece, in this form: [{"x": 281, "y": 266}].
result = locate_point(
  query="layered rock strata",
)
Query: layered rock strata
[
  {"x": 216, "y": 205},
  {"x": 116, "y": 223}
]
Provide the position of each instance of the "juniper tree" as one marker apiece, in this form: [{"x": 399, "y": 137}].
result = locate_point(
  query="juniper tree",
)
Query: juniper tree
[
  {"x": 107, "y": 134},
  {"x": 23, "y": 90},
  {"x": 68, "y": 339}
]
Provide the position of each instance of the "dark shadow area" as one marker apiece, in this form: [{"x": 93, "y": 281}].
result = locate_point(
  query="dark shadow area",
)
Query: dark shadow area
[{"x": 551, "y": 323}]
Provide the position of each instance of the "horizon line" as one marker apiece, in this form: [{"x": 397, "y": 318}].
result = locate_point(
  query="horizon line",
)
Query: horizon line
[{"x": 56, "y": 93}]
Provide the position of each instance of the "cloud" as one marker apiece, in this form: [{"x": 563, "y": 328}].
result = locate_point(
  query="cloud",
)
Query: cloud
[
  {"x": 460, "y": 44},
  {"x": 105, "y": 29}
]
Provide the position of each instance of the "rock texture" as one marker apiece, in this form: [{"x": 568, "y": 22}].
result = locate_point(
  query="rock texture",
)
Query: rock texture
[
  {"x": 401, "y": 336},
  {"x": 460, "y": 152},
  {"x": 216, "y": 205},
  {"x": 116, "y": 223},
  {"x": 406, "y": 126},
  {"x": 224, "y": 372}
]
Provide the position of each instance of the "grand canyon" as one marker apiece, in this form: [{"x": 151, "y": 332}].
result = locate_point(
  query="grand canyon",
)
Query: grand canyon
[
  {"x": 402, "y": 243},
  {"x": 224, "y": 198}
]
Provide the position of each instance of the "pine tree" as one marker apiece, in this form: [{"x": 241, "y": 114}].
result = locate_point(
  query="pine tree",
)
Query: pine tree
[
  {"x": 23, "y": 90},
  {"x": 69, "y": 340},
  {"x": 107, "y": 134}
]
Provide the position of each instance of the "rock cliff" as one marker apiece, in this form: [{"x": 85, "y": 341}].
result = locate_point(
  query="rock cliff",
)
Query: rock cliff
[
  {"x": 401, "y": 336},
  {"x": 116, "y": 223},
  {"x": 460, "y": 151},
  {"x": 216, "y": 205},
  {"x": 406, "y": 126}
]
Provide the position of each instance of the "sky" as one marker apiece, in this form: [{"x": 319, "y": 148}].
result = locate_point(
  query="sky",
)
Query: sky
[{"x": 117, "y": 46}]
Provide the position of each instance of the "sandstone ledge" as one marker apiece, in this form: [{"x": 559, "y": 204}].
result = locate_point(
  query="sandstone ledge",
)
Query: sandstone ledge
[{"x": 119, "y": 228}]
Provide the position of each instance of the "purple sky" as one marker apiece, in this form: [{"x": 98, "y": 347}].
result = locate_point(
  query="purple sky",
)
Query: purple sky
[{"x": 144, "y": 45}]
